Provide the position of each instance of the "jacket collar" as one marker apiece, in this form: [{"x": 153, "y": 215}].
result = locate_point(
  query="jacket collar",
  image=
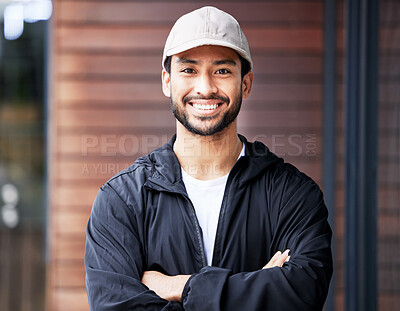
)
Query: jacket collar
[{"x": 166, "y": 169}]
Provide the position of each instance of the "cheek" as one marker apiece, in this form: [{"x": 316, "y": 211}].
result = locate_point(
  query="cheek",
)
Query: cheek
[
  {"x": 232, "y": 90},
  {"x": 179, "y": 88}
]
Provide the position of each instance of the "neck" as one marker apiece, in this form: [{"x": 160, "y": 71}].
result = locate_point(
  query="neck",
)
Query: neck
[{"x": 207, "y": 157}]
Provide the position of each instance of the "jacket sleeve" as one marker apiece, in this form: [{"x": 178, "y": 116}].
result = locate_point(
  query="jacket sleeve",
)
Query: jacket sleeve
[
  {"x": 114, "y": 259},
  {"x": 300, "y": 284}
]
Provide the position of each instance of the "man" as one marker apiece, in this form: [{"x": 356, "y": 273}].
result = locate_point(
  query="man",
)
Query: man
[{"x": 206, "y": 222}]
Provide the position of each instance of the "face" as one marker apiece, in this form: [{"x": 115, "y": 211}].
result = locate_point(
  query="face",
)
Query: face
[{"x": 206, "y": 88}]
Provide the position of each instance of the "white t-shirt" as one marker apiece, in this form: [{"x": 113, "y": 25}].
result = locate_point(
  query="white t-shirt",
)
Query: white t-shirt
[{"x": 206, "y": 196}]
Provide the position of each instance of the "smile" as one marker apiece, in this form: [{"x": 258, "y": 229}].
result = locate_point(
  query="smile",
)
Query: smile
[{"x": 205, "y": 107}]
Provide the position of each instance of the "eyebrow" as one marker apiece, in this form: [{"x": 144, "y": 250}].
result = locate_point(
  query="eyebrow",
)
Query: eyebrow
[
  {"x": 225, "y": 62},
  {"x": 185, "y": 60}
]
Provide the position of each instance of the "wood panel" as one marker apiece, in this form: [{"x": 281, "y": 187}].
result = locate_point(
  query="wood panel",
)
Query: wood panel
[
  {"x": 389, "y": 157},
  {"x": 70, "y": 223},
  {"x": 108, "y": 91},
  {"x": 388, "y": 164},
  {"x": 338, "y": 208},
  {"x": 65, "y": 299},
  {"x": 262, "y": 12},
  {"x": 143, "y": 38},
  {"x": 75, "y": 196},
  {"x": 69, "y": 249},
  {"x": 70, "y": 275}
]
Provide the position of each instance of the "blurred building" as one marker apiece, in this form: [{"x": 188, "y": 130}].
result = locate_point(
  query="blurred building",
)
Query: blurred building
[{"x": 80, "y": 100}]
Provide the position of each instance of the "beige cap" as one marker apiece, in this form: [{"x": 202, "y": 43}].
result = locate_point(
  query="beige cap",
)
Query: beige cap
[{"x": 206, "y": 26}]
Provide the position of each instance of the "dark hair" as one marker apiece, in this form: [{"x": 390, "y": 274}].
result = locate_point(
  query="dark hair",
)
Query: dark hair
[{"x": 244, "y": 65}]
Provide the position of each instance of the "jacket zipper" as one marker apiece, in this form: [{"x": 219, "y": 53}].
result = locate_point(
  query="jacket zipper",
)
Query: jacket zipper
[
  {"x": 219, "y": 225},
  {"x": 222, "y": 213},
  {"x": 196, "y": 224},
  {"x": 198, "y": 233}
]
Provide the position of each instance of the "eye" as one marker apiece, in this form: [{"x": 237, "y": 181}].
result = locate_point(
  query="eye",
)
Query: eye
[
  {"x": 223, "y": 71},
  {"x": 187, "y": 70}
]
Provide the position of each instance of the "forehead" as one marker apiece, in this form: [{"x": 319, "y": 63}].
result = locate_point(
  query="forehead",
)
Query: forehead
[{"x": 208, "y": 53}]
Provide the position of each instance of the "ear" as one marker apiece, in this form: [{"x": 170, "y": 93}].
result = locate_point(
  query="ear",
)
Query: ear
[
  {"x": 166, "y": 83},
  {"x": 247, "y": 84}
]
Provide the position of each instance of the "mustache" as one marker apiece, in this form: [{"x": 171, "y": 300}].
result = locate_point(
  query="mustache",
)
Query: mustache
[{"x": 189, "y": 98}]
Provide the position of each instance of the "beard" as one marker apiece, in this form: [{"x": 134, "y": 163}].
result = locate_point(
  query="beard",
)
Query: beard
[{"x": 228, "y": 117}]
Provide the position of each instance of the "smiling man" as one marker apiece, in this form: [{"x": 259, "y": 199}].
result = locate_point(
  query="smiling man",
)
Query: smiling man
[{"x": 207, "y": 222}]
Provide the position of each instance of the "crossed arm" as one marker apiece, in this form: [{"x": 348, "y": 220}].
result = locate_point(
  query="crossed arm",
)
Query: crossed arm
[
  {"x": 115, "y": 278},
  {"x": 171, "y": 287}
]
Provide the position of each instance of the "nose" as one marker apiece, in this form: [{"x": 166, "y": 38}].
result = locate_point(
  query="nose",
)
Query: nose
[{"x": 205, "y": 85}]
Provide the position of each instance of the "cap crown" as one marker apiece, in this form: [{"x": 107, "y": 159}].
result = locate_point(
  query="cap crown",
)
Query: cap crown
[{"x": 206, "y": 26}]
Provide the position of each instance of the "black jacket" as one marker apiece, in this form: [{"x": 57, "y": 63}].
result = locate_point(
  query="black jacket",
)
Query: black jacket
[{"x": 142, "y": 219}]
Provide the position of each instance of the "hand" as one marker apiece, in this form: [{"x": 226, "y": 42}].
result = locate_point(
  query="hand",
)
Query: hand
[
  {"x": 278, "y": 259},
  {"x": 167, "y": 287}
]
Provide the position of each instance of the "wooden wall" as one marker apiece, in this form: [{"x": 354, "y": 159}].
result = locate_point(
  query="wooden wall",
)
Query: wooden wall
[
  {"x": 389, "y": 157},
  {"x": 107, "y": 108},
  {"x": 388, "y": 171}
]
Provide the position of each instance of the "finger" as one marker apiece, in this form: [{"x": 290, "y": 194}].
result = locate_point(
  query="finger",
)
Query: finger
[
  {"x": 273, "y": 260},
  {"x": 286, "y": 253},
  {"x": 282, "y": 258},
  {"x": 278, "y": 259}
]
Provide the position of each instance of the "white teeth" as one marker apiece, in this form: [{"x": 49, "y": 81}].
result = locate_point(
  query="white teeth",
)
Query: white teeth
[{"x": 205, "y": 107}]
